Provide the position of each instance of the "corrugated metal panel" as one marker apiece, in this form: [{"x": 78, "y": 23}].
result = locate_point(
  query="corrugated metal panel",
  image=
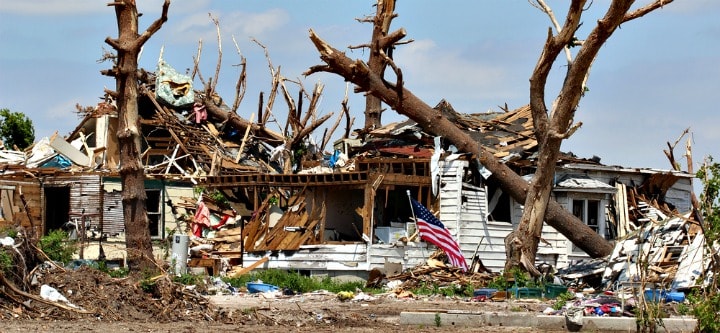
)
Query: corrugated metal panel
[
  {"x": 85, "y": 197},
  {"x": 113, "y": 212}
]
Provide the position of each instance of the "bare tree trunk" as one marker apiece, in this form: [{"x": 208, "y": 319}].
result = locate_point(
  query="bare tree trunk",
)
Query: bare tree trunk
[
  {"x": 381, "y": 46},
  {"x": 128, "y": 44},
  {"x": 376, "y": 61},
  {"x": 552, "y": 129},
  {"x": 404, "y": 102}
]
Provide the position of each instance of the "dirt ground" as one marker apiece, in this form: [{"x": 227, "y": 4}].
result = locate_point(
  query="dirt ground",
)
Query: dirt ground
[
  {"x": 99, "y": 303},
  {"x": 318, "y": 312}
]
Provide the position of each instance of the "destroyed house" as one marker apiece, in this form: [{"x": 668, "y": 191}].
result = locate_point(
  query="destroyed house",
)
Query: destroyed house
[
  {"x": 341, "y": 213},
  {"x": 354, "y": 221}
]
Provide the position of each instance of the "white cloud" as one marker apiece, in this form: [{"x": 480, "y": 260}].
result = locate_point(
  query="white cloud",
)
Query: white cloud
[
  {"x": 83, "y": 7},
  {"x": 254, "y": 24},
  {"x": 447, "y": 65},
  {"x": 198, "y": 26},
  {"x": 426, "y": 67},
  {"x": 53, "y": 7}
]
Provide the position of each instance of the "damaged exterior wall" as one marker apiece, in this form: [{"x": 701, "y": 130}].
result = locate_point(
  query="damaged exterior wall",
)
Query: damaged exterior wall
[
  {"x": 555, "y": 249},
  {"x": 82, "y": 192},
  {"x": 161, "y": 215},
  {"x": 14, "y": 211}
]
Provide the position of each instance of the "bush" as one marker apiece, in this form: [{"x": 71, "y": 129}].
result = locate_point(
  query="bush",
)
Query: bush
[
  {"x": 116, "y": 273},
  {"x": 295, "y": 281},
  {"x": 6, "y": 260},
  {"x": 58, "y": 246},
  {"x": 189, "y": 279}
]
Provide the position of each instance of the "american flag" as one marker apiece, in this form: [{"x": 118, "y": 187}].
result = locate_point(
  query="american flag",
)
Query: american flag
[{"x": 434, "y": 231}]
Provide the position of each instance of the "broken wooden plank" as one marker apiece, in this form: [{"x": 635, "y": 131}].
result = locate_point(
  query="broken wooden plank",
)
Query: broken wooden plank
[
  {"x": 242, "y": 145},
  {"x": 246, "y": 270}
]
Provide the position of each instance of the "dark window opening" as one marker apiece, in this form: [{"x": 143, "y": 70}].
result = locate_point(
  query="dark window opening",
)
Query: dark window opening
[
  {"x": 57, "y": 207},
  {"x": 152, "y": 204},
  {"x": 501, "y": 211}
]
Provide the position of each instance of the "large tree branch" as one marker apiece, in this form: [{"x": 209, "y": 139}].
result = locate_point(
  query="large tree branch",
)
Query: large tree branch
[
  {"x": 553, "y": 46},
  {"x": 155, "y": 26},
  {"x": 237, "y": 122},
  {"x": 408, "y": 104}
]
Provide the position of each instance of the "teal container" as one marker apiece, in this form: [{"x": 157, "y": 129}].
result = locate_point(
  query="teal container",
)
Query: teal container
[
  {"x": 525, "y": 292},
  {"x": 554, "y": 290}
]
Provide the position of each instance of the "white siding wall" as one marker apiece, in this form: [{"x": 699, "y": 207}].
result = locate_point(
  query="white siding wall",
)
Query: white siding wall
[
  {"x": 463, "y": 210},
  {"x": 336, "y": 257}
]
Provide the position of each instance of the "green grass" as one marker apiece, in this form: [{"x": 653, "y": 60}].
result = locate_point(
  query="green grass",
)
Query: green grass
[
  {"x": 562, "y": 299},
  {"x": 297, "y": 282}
]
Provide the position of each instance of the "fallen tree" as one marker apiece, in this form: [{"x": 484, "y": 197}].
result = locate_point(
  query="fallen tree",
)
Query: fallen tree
[{"x": 406, "y": 103}]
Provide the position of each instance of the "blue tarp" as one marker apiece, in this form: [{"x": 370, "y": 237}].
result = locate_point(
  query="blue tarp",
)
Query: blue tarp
[{"x": 58, "y": 161}]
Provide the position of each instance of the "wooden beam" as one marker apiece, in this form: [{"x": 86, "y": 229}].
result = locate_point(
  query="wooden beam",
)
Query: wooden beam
[
  {"x": 246, "y": 270},
  {"x": 242, "y": 145}
]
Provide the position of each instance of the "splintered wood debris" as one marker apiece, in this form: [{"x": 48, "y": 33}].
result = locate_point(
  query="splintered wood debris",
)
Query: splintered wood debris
[{"x": 436, "y": 272}]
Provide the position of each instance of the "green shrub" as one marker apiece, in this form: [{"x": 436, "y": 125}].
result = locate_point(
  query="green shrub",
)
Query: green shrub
[
  {"x": 116, "y": 273},
  {"x": 8, "y": 231},
  {"x": 706, "y": 300},
  {"x": 6, "y": 260},
  {"x": 148, "y": 285},
  {"x": 296, "y": 282},
  {"x": 705, "y": 307},
  {"x": 562, "y": 299},
  {"x": 58, "y": 246},
  {"x": 189, "y": 279},
  {"x": 499, "y": 282}
]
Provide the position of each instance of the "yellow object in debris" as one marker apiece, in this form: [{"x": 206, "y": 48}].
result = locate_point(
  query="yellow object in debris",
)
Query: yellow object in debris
[{"x": 345, "y": 295}]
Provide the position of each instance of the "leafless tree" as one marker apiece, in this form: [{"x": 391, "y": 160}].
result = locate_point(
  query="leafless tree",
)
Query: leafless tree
[
  {"x": 555, "y": 124},
  {"x": 381, "y": 47},
  {"x": 128, "y": 45}
]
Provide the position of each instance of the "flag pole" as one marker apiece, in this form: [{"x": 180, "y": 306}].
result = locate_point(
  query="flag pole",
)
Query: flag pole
[
  {"x": 412, "y": 210},
  {"x": 411, "y": 206}
]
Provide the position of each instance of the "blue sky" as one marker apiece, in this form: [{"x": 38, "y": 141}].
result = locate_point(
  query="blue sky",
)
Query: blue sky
[{"x": 655, "y": 77}]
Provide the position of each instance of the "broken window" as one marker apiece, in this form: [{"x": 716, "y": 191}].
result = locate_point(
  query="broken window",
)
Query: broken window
[
  {"x": 588, "y": 211},
  {"x": 499, "y": 206},
  {"x": 154, "y": 212}
]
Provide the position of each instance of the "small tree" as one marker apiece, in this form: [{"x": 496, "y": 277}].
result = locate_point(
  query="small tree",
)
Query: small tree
[
  {"x": 707, "y": 299},
  {"x": 16, "y": 130}
]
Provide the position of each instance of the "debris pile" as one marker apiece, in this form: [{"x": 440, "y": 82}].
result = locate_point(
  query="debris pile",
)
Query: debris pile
[
  {"x": 66, "y": 293},
  {"x": 435, "y": 272}
]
